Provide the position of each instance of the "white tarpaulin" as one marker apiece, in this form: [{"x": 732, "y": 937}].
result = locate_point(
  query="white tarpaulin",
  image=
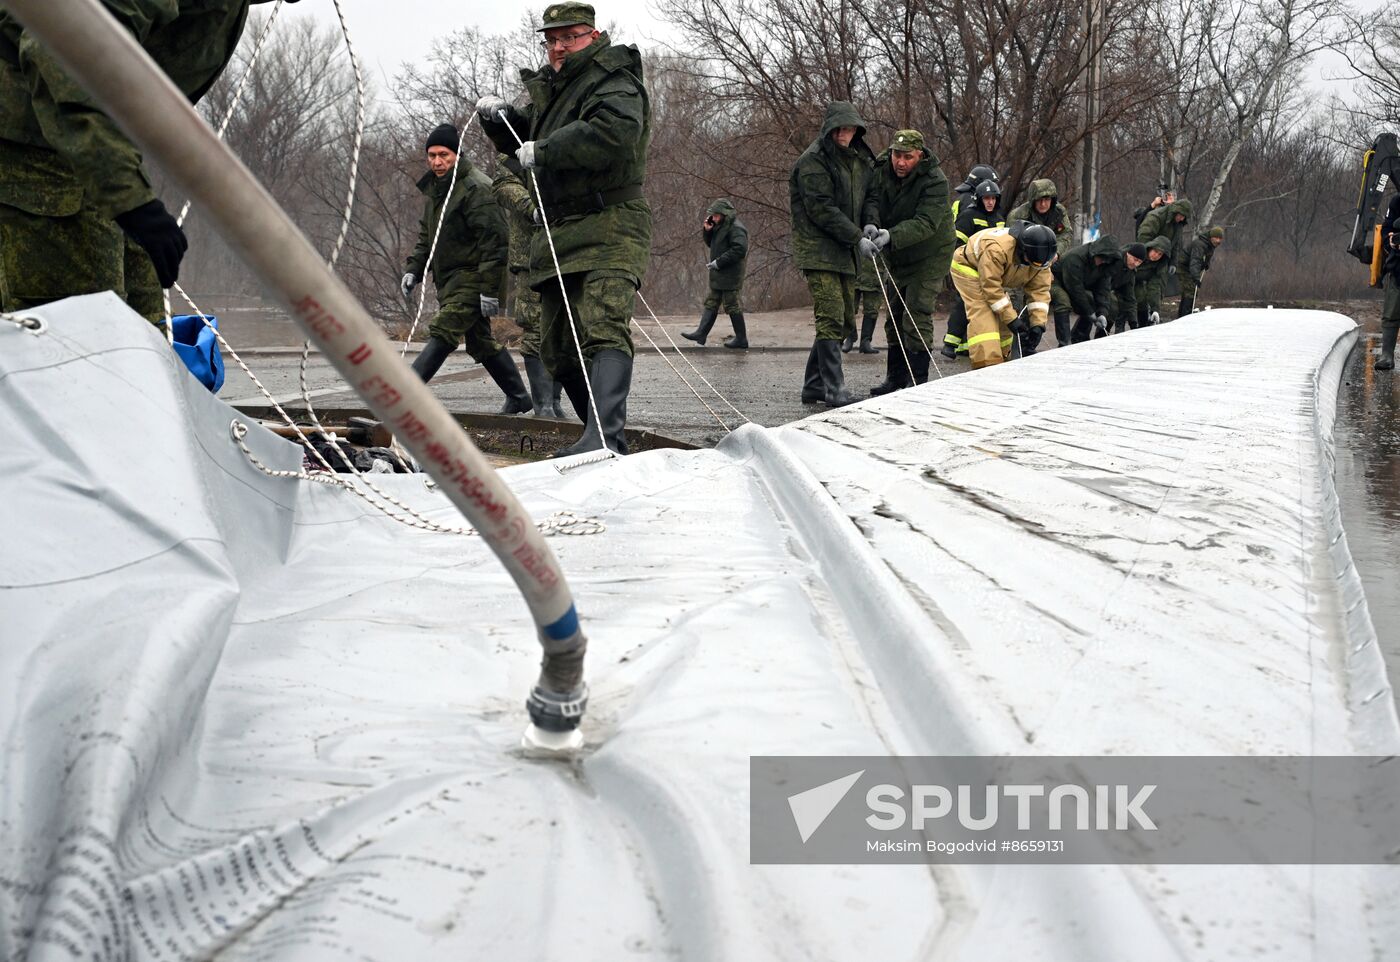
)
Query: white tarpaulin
[{"x": 252, "y": 718}]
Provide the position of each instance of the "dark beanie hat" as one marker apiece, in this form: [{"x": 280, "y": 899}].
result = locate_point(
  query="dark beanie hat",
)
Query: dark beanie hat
[
  {"x": 1137, "y": 250},
  {"x": 444, "y": 136}
]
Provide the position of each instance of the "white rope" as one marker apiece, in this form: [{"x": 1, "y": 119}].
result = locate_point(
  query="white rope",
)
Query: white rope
[
  {"x": 23, "y": 322},
  {"x": 908, "y": 364},
  {"x": 687, "y": 360},
  {"x": 909, "y": 314},
  {"x": 676, "y": 370},
  {"x": 563, "y": 291},
  {"x": 437, "y": 232}
]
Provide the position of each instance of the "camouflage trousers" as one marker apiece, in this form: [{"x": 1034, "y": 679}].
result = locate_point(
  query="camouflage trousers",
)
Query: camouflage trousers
[
  {"x": 868, "y": 303},
  {"x": 459, "y": 321},
  {"x": 1059, "y": 300},
  {"x": 1189, "y": 284},
  {"x": 601, "y": 302},
  {"x": 527, "y": 316},
  {"x": 45, "y": 258},
  {"x": 833, "y": 303},
  {"x": 730, "y": 301},
  {"x": 913, "y": 330}
]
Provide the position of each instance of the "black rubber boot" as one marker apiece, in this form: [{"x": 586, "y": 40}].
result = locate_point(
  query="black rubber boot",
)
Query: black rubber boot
[
  {"x": 707, "y": 321},
  {"x": 1083, "y": 329},
  {"x": 919, "y": 362},
  {"x": 554, "y": 406},
  {"x": 867, "y": 331},
  {"x": 1061, "y": 329},
  {"x": 833, "y": 380},
  {"x": 1187, "y": 305},
  {"x": 812, "y": 379},
  {"x": 948, "y": 350},
  {"x": 503, "y": 371},
  {"x": 1386, "y": 362},
  {"x": 429, "y": 359},
  {"x": 740, "y": 340},
  {"x": 610, "y": 370},
  {"x": 542, "y": 386},
  {"x": 574, "y": 386},
  {"x": 896, "y": 374},
  {"x": 849, "y": 342}
]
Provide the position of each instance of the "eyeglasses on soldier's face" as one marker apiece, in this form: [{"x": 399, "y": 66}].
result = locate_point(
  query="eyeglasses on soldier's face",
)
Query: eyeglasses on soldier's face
[{"x": 564, "y": 40}]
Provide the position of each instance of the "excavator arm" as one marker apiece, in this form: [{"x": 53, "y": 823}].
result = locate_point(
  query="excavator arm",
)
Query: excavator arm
[{"x": 1380, "y": 170}]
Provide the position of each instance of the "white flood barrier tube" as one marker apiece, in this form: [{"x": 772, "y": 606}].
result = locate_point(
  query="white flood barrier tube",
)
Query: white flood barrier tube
[{"x": 106, "y": 60}]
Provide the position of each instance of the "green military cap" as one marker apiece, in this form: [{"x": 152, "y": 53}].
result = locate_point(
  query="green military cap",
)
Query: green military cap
[
  {"x": 566, "y": 15},
  {"x": 907, "y": 140},
  {"x": 1218, "y": 232}
]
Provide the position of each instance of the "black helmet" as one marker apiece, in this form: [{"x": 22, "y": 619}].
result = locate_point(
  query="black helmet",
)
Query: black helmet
[
  {"x": 988, "y": 188},
  {"x": 1035, "y": 243},
  {"x": 980, "y": 173}
]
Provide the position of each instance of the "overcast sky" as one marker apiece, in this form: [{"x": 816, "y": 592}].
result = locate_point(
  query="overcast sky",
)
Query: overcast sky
[{"x": 389, "y": 32}]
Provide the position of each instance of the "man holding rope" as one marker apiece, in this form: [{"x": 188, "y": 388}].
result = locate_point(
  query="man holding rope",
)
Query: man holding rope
[
  {"x": 78, "y": 213},
  {"x": 461, "y": 216},
  {"x": 913, "y": 230},
  {"x": 583, "y": 139}
]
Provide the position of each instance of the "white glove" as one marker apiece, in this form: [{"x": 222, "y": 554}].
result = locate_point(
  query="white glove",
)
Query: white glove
[
  {"x": 407, "y": 284},
  {"x": 713, "y": 265},
  {"x": 489, "y": 106},
  {"x": 868, "y": 248},
  {"x": 1154, "y": 318},
  {"x": 490, "y": 306},
  {"x": 870, "y": 231},
  {"x": 1101, "y": 323},
  {"x": 881, "y": 238},
  {"x": 526, "y": 155}
]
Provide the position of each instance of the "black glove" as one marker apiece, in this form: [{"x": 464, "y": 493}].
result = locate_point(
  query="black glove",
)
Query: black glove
[
  {"x": 1020, "y": 326},
  {"x": 1031, "y": 339},
  {"x": 151, "y": 226}
]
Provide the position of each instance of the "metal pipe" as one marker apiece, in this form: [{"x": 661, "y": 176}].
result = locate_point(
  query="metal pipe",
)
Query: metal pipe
[{"x": 137, "y": 95}]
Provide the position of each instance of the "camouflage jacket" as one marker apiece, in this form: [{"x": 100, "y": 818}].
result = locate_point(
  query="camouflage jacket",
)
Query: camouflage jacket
[
  {"x": 517, "y": 203},
  {"x": 591, "y": 123},
  {"x": 1147, "y": 286},
  {"x": 1193, "y": 260},
  {"x": 61, "y": 150},
  {"x": 1057, "y": 218},
  {"x": 1122, "y": 284},
  {"x": 1084, "y": 279},
  {"x": 829, "y": 197},
  {"x": 471, "y": 248},
  {"x": 728, "y": 245},
  {"x": 915, "y": 210},
  {"x": 1161, "y": 222}
]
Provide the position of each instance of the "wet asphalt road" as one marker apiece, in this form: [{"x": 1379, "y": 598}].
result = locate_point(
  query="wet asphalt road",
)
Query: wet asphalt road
[{"x": 763, "y": 382}]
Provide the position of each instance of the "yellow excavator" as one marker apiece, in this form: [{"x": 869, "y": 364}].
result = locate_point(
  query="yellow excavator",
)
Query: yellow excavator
[{"x": 1380, "y": 170}]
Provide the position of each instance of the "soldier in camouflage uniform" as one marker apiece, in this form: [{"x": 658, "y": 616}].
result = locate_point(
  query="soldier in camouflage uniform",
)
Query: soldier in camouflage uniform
[
  {"x": 915, "y": 235},
  {"x": 1192, "y": 263},
  {"x": 518, "y": 205},
  {"x": 468, "y": 266},
  {"x": 1151, "y": 277},
  {"x": 828, "y": 192},
  {"x": 868, "y": 299},
  {"x": 726, "y": 241},
  {"x": 1042, "y": 206},
  {"x": 585, "y": 132},
  {"x": 77, "y": 211}
]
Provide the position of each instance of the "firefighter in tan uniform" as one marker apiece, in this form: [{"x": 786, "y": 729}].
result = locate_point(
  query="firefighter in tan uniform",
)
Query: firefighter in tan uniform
[{"x": 985, "y": 270}]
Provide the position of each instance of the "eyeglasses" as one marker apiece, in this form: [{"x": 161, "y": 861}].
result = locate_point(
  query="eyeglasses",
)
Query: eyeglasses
[{"x": 564, "y": 41}]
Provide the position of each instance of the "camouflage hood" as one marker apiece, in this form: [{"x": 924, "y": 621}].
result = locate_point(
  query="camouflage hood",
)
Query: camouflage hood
[
  {"x": 1106, "y": 247},
  {"x": 1182, "y": 206},
  {"x": 722, "y": 207},
  {"x": 1040, "y": 189},
  {"x": 1160, "y": 244},
  {"x": 839, "y": 113}
]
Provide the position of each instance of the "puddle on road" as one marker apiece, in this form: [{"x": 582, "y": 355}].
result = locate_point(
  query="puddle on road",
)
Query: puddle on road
[{"x": 1368, "y": 484}]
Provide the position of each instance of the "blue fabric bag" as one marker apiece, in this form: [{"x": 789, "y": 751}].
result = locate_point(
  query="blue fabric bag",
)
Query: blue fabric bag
[{"x": 199, "y": 349}]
